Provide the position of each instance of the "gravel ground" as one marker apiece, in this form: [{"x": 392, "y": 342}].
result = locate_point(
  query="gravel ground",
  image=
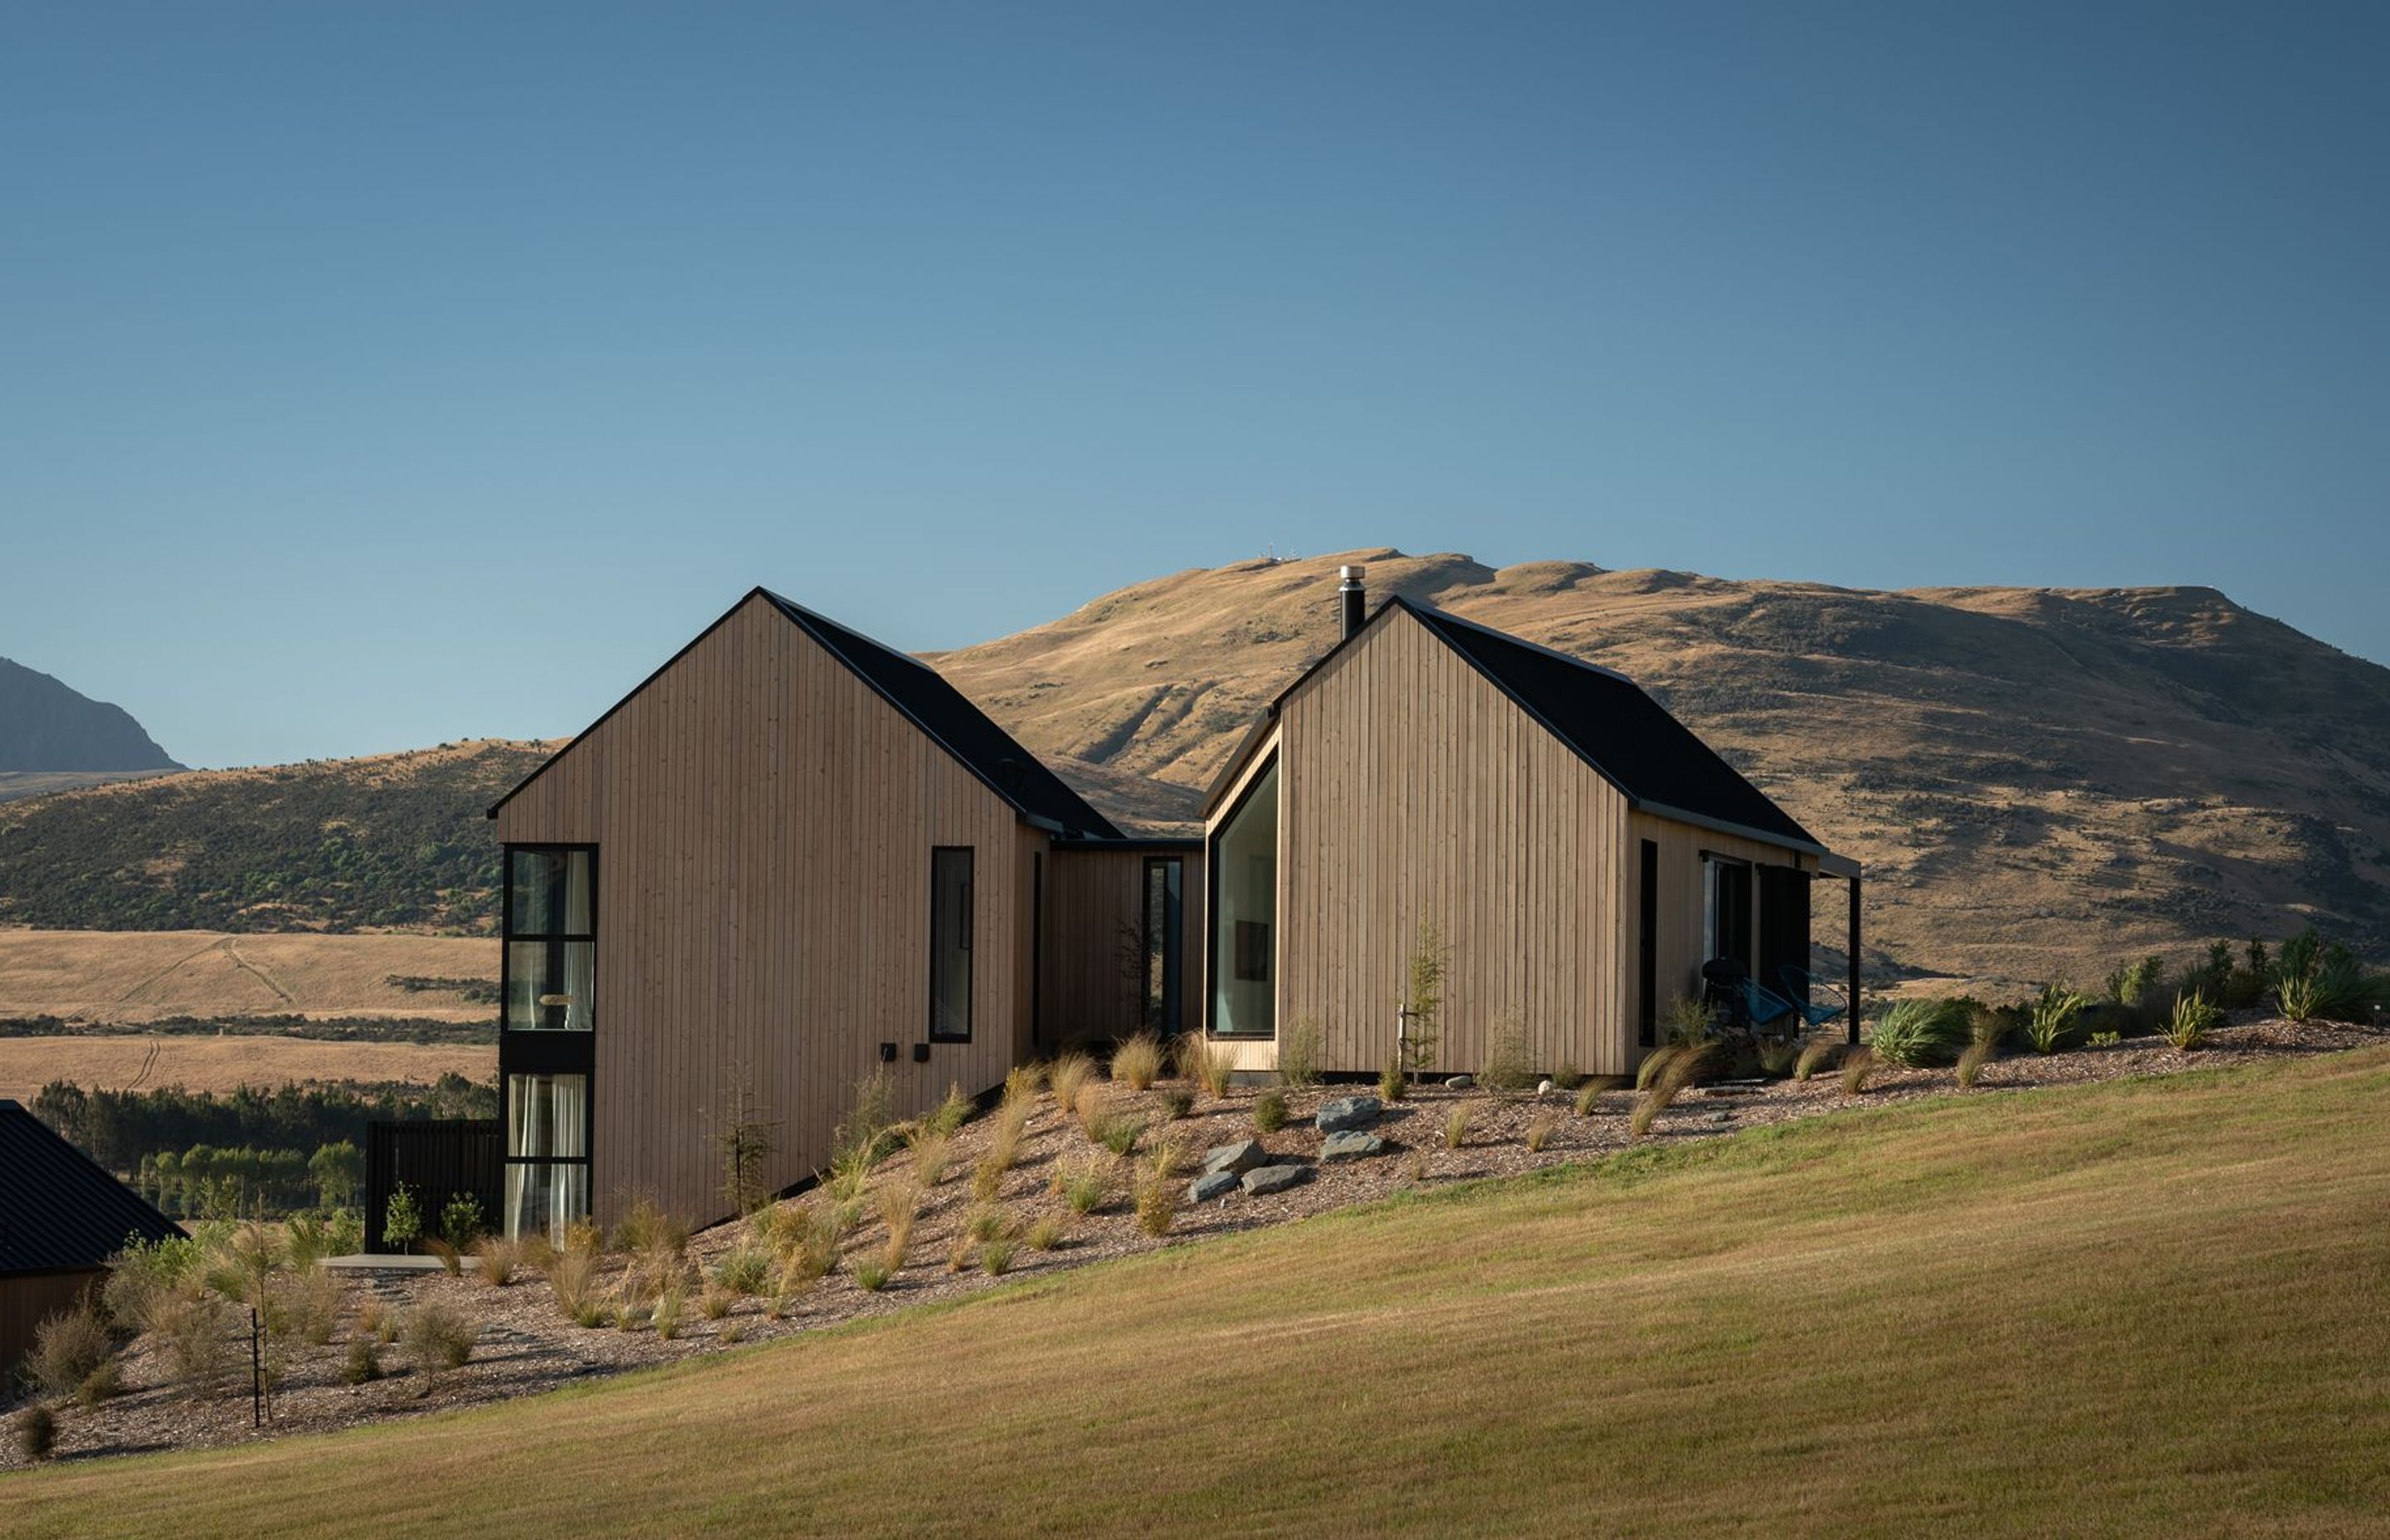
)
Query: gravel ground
[{"x": 526, "y": 1345}]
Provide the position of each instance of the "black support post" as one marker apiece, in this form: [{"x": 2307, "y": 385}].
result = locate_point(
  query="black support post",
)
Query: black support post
[{"x": 1857, "y": 944}]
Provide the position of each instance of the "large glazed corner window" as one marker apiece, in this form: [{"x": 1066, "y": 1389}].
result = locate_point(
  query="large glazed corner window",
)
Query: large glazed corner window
[
  {"x": 1163, "y": 930},
  {"x": 547, "y": 1154},
  {"x": 551, "y": 926},
  {"x": 1244, "y": 913},
  {"x": 950, "y": 942}
]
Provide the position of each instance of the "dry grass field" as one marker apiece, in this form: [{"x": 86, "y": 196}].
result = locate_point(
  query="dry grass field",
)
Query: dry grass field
[
  {"x": 135, "y": 976},
  {"x": 2152, "y": 1307},
  {"x": 225, "y": 1063}
]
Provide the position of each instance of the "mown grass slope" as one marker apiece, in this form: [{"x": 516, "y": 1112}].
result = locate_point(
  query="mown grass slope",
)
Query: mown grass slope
[{"x": 2148, "y": 1308}]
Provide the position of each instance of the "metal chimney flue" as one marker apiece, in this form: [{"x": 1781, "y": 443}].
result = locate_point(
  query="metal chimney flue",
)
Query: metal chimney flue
[{"x": 1352, "y": 598}]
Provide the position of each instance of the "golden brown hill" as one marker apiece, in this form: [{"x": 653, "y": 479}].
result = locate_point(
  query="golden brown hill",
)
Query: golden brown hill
[{"x": 2040, "y": 780}]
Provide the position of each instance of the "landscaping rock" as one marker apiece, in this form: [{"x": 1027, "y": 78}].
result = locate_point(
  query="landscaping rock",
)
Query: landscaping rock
[
  {"x": 1263, "y": 1180},
  {"x": 1236, "y": 1158},
  {"x": 1348, "y": 1112},
  {"x": 1352, "y": 1145},
  {"x": 1458, "y": 1082},
  {"x": 1721, "y": 1118},
  {"x": 1211, "y": 1184}
]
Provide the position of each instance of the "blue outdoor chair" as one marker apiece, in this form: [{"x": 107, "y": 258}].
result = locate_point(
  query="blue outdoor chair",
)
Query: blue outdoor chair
[{"x": 1798, "y": 984}]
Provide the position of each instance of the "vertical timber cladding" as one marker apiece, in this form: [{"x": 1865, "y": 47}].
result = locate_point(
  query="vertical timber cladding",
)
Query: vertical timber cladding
[
  {"x": 1678, "y": 945},
  {"x": 1095, "y": 909},
  {"x": 1415, "y": 789},
  {"x": 764, "y": 820}
]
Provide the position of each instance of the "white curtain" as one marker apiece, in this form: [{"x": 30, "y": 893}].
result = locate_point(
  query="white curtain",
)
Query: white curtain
[{"x": 546, "y": 1118}]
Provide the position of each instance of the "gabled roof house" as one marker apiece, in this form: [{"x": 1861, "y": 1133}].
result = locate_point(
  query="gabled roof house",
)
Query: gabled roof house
[
  {"x": 61, "y": 1217},
  {"x": 794, "y": 853}
]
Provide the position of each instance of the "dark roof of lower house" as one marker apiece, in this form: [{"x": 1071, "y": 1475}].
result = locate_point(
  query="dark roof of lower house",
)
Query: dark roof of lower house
[
  {"x": 60, "y": 1211},
  {"x": 923, "y": 696},
  {"x": 1604, "y": 717}
]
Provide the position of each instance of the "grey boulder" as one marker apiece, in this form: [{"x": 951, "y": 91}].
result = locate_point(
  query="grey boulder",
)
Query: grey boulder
[
  {"x": 1345, "y": 1112},
  {"x": 1263, "y": 1180},
  {"x": 1235, "y": 1158},
  {"x": 1352, "y": 1145},
  {"x": 1458, "y": 1082},
  {"x": 1211, "y": 1185}
]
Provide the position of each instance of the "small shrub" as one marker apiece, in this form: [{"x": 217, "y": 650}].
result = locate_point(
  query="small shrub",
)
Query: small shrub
[
  {"x": 1179, "y": 1101},
  {"x": 1813, "y": 1055},
  {"x": 461, "y": 1221},
  {"x": 1298, "y": 1053},
  {"x": 439, "y": 1337},
  {"x": 1917, "y": 1033},
  {"x": 37, "y": 1433},
  {"x": 1205, "y": 1063},
  {"x": 102, "y": 1384},
  {"x": 141, "y": 1277},
  {"x": 1458, "y": 1124},
  {"x": 402, "y": 1219},
  {"x": 363, "y": 1364},
  {"x": 871, "y": 1273},
  {"x": 1158, "y": 1193},
  {"x": 1137, "y": 1062},
  {"x": 1506, "y": 1066},
  {"x": 1047, "y": 1232},
  {"x": 69, "y": 1347},
  {"x": 996, "y": 1255},
  {"x": 2103, "y": 1039},
  {"x": 497, "y": 1260},
  {"x": 1687, "y": 1022},
  {"x": 1269, "y": 1111},
  {"x": 2055, "y": 1013},
  {"x": 2193, "y": 1019},
  {"x": 1857, "y": 1064},
  {"x": 1539, "y": 1132},
  {"x": 1392, "y": 1085},
  {"x": 1070, "y": 1072}
]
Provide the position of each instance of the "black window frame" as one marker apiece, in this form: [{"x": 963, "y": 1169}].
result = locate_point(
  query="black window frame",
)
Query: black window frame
[
  {"x": 544, "y": 1051},
  {"x": 1166, "y": 1015},
  {"x": 1647, "y": 949},
  {"x": 969, "y": 916},
  {"x": 1746, "y": 923},
  {"x": 1252, "y": 786}
]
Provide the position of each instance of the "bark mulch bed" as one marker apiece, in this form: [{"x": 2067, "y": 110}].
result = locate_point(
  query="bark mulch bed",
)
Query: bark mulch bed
[{"x": 526, "y": 1345}]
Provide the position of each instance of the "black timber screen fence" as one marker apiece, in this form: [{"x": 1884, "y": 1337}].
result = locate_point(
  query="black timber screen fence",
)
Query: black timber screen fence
[{"x": 435, "y": 1161}]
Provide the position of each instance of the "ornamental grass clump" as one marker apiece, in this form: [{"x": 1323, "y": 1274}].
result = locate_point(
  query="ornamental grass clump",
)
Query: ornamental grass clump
[
  {"x": 1083, "y": 1181},
  {"x": 1985, "y": 1029},
  {"x": 37, "y": 1433},
  {"x": 932, "y": 1154},
  {"x": 873, "y": 1273},
  {"x": 1298, "y": 1053},
  {"x": 1813, "y": 1055},
  {"x": 1918, "y": 1034},
  {"x": 952, "y": 1113},
  {"x": 1070, "y": 1072},
  {"x": 363, "y": 1365},
  {"x": 746, "y": 1268},
  {"x": 1137, "y": 1062},
  {"x": 1392, "y": 1085},
  {"x": 1857, "y": 1064},
  {"x": 1047, "y": 1232},
  {"x": 1539, "y": 1131},
  {"x": 1590, "y": 1095},
  {"x": 1205, "y": 1063},
  {"x": 1682, "y": 1069},
  {"x": 1179, "y": 1102},
  {"x": 1458, "y": 1123},
  {"x": 996, "y": 1255},
  {"x": 70, "y": 1347},
  {"x": 439, "y": 1337},
  {"x": 496, "y": 1258},
  {"x": 1655, "y": 1063}
]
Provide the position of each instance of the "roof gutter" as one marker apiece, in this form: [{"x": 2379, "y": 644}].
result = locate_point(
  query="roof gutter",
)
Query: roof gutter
[{"x": 1721, "y": 826}]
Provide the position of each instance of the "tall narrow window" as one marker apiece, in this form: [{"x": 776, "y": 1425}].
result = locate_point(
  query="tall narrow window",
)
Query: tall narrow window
[
  {"x": 547, "y": 1153},
  {"x": 950, "y": 942},
  {"x": 1726, "y": 909},
  {"x": 1648, "y": 949},
  {"x": 1244, "y": 867},
  {"x": 551, "y": 949},
  {"x": 1162, "y": 876}
]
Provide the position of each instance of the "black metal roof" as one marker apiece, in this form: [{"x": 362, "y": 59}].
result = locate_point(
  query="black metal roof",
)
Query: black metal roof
[
  {"x": 59, "y": 1213},
  {"x": 947, "y": 716},
  {"x": 931, "y": 704},
  {"x": 1604, "y": 717}
]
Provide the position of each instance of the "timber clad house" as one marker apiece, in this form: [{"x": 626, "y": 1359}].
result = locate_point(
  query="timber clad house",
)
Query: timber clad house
[{"x": 793, "y": 854}]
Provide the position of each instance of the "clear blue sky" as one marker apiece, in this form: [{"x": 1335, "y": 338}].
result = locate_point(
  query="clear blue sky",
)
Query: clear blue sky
[{"x": 374, "y": 376}]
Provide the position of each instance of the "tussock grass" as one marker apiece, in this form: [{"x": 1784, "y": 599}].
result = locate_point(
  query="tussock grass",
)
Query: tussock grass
[
  {"x": 1683, "y": 1068},
  {"x": 1298, "y": 1052},
  {"x": 1655, "y": 1063},
  {"x": 1857, "y": 1065},
  {"x": 496, "y": 1258},
  {"x": 1539, "y": 1131},
  {"x": 439, "y": 1337},
  {"x": 996, "y": 1255},
  {"x": 1070, "y": 1072},
  {"x": 1393, "y": 1084},
  {"x": 952, "y": 1113},
  {"x": 70, "y": 1347},
  {"x": 932, "y": 1154},
  {"x": 1814, "y": 1056},
  {"x": 1022, "y": 1084},
  {"x": 1986, "y": 1030},
  {"x": 1458, "y": 1122},
  {"x": 37, "y": 1433},
  {"x": 1590, "y": 1095},
  {"x": 1137, "y": 1062},
  {"x": 872, "y": 1272},
  {"x": 2191, "y": 1021},
  {"x": 1204, "y": 1063},
  {"x": 1083, "y": 1181},
  {"x": 1179, "y": 1102},
  {"x": 1733, "y": 1278},
  {"x": 1047, "y": 1233}
]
